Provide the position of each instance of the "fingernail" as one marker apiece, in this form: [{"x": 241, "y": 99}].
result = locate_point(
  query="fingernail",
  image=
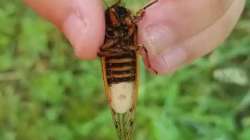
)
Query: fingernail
[
  {"x": 157, "y": 37},
  {"x": 169, "y": 61},
  {"x": 74, "y": 28}
]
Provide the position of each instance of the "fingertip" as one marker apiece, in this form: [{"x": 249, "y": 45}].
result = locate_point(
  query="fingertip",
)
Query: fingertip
[
  {"x": 85, "y": 30},
  {"x": 84, "y": 36},
  {"x": 168, "y": 61},
  {"x": 81, "y": 21},
  {"x": 187, "y": 49},
  {"x": 84, "y": 54}
]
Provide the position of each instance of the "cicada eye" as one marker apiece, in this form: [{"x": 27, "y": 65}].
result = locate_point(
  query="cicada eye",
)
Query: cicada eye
[
  {"x": 121, "y": 12},
  {"x": 111, "y": 17}
]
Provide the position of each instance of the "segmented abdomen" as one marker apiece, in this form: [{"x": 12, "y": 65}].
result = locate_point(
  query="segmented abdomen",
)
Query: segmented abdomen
[{"x": 121, "y": 67}]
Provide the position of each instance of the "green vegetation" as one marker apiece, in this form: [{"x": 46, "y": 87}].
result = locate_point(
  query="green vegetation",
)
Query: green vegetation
[{"x": 45, "y": 92}]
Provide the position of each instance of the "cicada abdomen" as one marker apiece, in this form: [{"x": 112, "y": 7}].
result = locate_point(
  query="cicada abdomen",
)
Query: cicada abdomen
[
  {"x": 119, "y": 57},
  {"x": 121, "y": 87}
]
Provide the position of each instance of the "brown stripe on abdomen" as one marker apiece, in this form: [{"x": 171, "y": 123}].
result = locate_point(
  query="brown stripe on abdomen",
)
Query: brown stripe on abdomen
[{"x": 121, "y": 68}]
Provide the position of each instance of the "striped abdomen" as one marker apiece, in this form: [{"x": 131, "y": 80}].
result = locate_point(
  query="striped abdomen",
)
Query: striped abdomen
[{"x": 121, "y": 67}]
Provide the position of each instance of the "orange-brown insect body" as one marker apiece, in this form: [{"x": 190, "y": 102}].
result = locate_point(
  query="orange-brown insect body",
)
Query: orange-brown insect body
[
  {"x": 119, "y": 59},
  {"x": 119, "y": 56}
]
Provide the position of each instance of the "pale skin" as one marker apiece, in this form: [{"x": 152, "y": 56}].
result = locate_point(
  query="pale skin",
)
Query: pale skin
[{"x": 175, "y": 32}]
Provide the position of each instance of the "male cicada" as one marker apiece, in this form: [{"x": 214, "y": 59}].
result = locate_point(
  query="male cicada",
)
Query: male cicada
[{"x": 119, "y": 57}]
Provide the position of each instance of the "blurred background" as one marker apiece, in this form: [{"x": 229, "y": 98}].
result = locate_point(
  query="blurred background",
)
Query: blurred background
[{"x": 48, "y": 94}]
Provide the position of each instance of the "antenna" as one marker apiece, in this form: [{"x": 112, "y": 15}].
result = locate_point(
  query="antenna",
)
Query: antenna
[{"x": 150, "y": 4}]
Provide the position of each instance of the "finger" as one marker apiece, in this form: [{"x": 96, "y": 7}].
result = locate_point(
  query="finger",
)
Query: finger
[
  {"x": 177, "y": 32},
  {"x": 82, "y": 22}
]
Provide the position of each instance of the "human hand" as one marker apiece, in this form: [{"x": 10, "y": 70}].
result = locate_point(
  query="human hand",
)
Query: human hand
[
  {"x": 82, "y": 22},
  {"x": 174, "y": 32}
]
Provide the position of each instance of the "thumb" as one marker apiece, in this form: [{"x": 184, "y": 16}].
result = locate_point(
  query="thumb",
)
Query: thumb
[
  {"x": 179, "y": 32},
  {"x": 82, "y": 22}
]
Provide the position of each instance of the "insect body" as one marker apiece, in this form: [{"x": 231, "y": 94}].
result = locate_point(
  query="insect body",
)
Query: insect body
[
  {"x": 119, "y": 62},
  {"x": 119, "y": 56}
]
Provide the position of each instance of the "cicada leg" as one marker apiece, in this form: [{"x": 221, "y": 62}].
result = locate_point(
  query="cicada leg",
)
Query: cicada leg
[
  {"x": 108, "y": 44},
  {"x": 139, "y": 15},
  {"x": 142, "y": 48},
  {"x": 106, "y": 49},
  {"x": 147, "y": 60}
]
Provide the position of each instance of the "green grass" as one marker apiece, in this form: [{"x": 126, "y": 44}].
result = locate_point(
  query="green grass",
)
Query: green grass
[{"x": 45, "y": 92}]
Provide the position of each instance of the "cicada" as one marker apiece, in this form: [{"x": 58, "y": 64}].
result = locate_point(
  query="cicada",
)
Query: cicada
[{"x": 119, "y": 58}]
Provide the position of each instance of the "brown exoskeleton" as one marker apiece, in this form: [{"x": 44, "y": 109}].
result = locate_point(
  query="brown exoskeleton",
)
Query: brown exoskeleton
[{"x": 119, "y": 56}]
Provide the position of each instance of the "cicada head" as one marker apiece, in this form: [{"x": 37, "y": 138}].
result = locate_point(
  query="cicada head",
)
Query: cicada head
[{"x": 118, "y": 15}]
